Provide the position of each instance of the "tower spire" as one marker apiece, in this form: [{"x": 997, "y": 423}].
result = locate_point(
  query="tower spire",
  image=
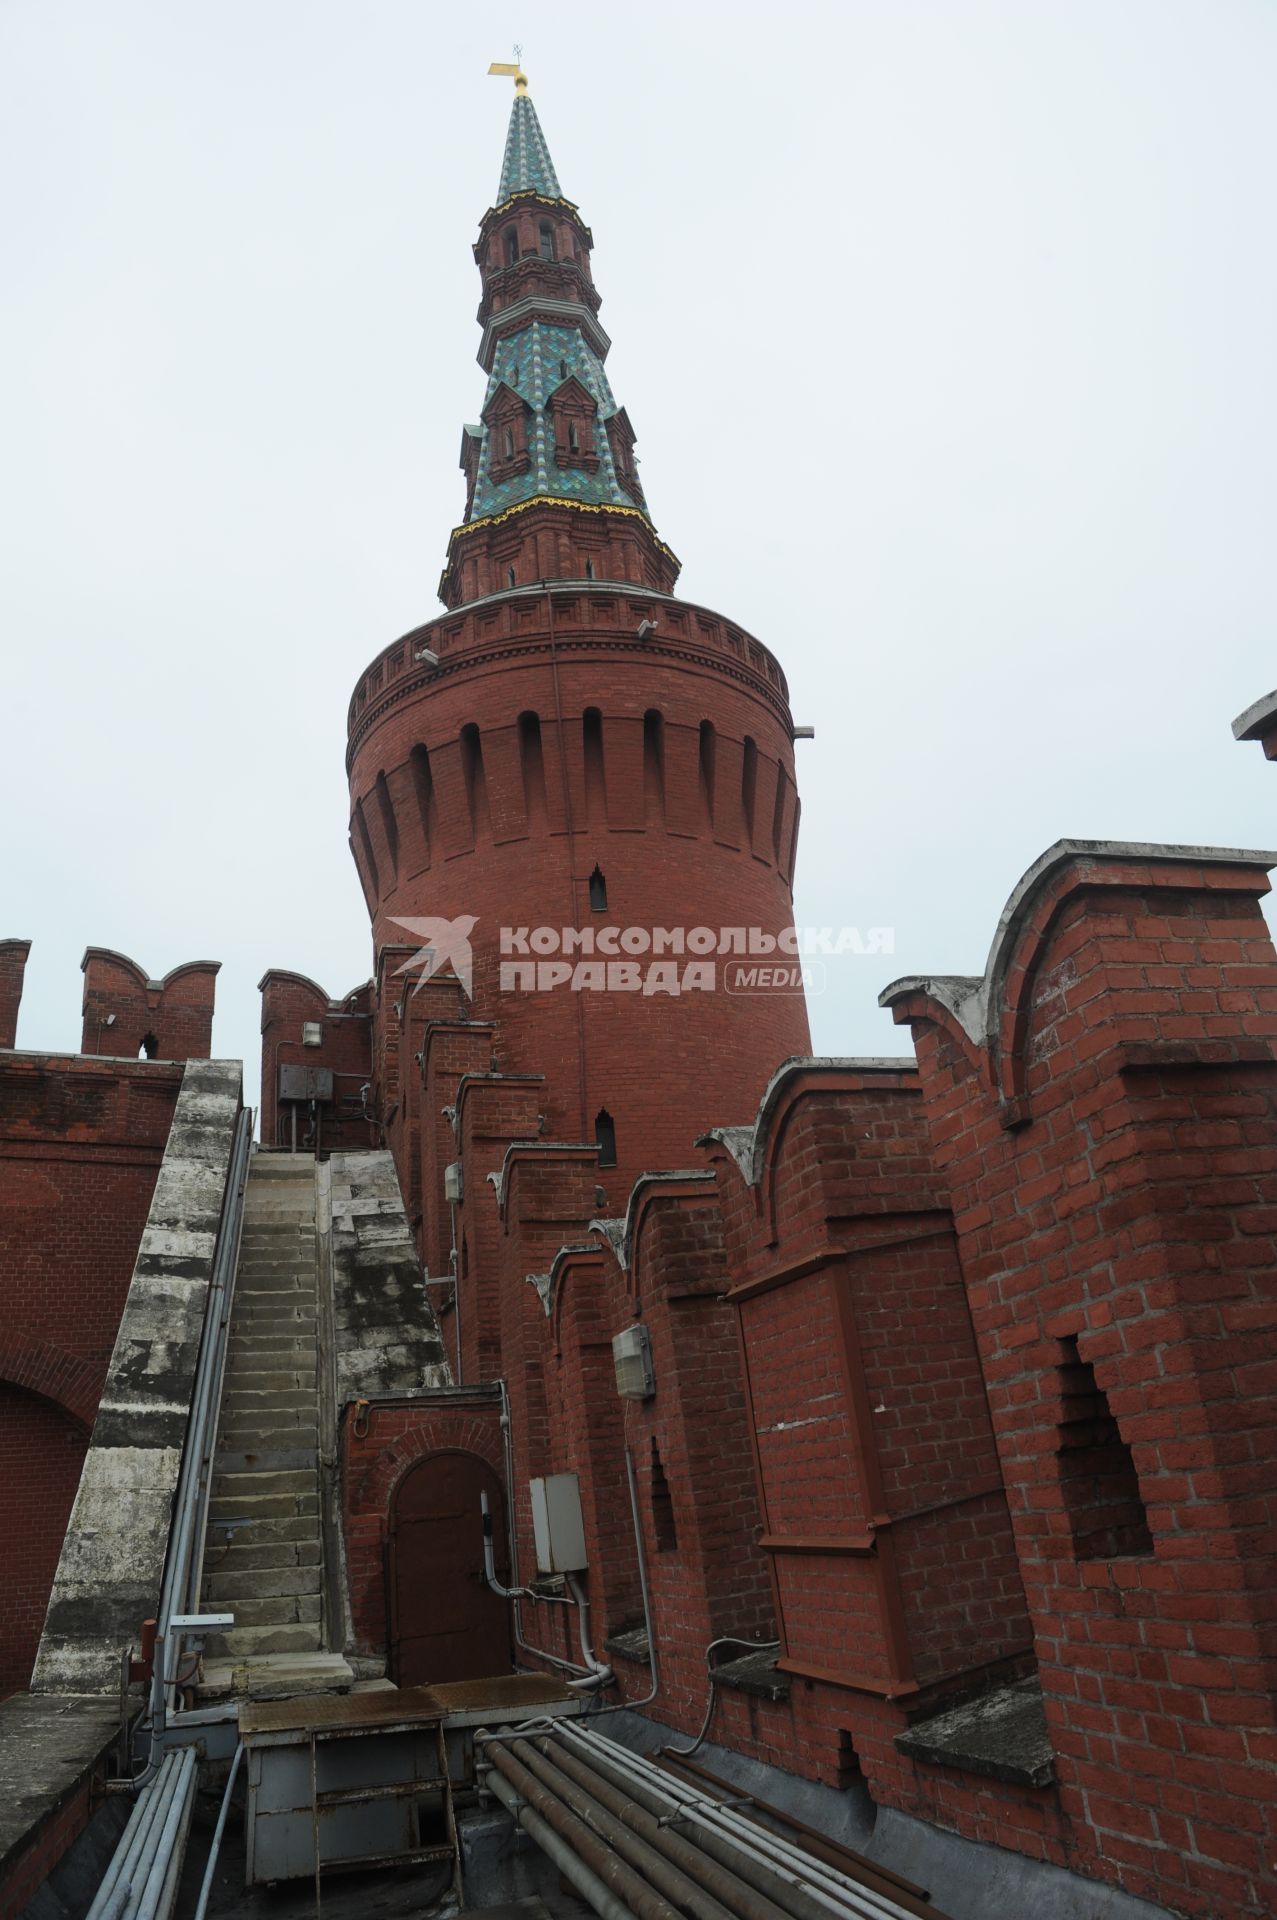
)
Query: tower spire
[{"x": 550, "y": 435}]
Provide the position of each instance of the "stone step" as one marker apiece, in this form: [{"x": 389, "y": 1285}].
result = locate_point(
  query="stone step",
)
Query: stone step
[
  {"x": 240, "y": 1585},
  {"x": 271, "y": 1379},
  {"x": 245, "y": 1643},
  {"x": 278, "y": 1610},
  {"x": 261, "y": 1530},
  {"x": 291, "y": 1480},
  {"x": 283, "y": 1554},
  {"x": 264, "y": 1506},
  {"x": 248, "y": 1321},
  {"x": 250, "y": 1421},
  {"x": 262, "y": 1343},
  {"x": 290, "y": 1450},
  {"x": 278, "y": 1676},
  {"x": 244, "y": 1400},
  {"x": 239, "y": 1428}
]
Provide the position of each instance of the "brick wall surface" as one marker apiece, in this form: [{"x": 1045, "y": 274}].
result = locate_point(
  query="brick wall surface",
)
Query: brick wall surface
[
  {"x": 1105, "y": 1114},
  {"x": 80, "y": 1145}
]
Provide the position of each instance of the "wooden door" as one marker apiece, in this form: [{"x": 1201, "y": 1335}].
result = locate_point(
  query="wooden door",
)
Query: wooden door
[{"x": 445, "y": 1621}]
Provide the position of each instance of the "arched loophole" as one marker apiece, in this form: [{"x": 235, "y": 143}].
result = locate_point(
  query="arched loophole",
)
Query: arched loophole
[
  {"x": 1097, "y": 1472},
  {"x": 663, "y": 1526}
]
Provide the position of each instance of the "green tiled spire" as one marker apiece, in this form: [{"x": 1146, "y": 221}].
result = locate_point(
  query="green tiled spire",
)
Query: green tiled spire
[{"x": 527, "y": 164}]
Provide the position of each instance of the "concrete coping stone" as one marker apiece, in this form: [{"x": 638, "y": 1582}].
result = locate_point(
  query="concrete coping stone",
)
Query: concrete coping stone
[{"x": 1002, "y": 1735}]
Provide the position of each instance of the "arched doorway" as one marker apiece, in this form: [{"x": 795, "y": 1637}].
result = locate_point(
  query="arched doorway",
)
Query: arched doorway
[{"x": 445, "y": 1621}]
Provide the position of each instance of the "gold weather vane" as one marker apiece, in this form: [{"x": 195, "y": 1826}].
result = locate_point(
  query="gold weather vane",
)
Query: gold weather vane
[{"x": 509, "y": 72}]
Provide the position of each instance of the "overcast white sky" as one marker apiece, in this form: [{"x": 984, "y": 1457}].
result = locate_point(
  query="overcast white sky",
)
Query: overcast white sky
[{"x": 947, "y": 330}]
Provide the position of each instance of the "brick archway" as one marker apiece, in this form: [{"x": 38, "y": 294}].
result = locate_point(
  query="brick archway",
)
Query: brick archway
[{"x": 40, "y": 1367}]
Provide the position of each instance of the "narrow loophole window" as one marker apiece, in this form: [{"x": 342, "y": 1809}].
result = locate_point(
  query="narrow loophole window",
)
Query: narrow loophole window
[
  {"x": 662, "y": 1506},
  {"x": 1097, "y": 1471},
  {"x": 605, "y": 1137},
  {"x": 149, "y": 1048},
  {"x": 598, "y": 891},
  {"x": 511, "y": 246},
  {"x": 589, "y": 569},
  {"x": 510, "y": 579}
]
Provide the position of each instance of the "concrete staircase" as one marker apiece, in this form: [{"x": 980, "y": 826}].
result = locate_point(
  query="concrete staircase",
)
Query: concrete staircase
[{"x": 264, "y": 1552}]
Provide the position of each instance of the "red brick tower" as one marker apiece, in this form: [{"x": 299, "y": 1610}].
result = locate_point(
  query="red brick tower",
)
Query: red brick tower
[{"x": 569, "y": 746}]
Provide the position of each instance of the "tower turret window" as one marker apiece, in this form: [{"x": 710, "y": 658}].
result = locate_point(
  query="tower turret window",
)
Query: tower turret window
[
  {"x": 598, "y": 891},
  {"x": 509, "y": 443},
  {"x": 510, "y": 579},
  {"x": 574, "y": 438},
  {"x": 605, "y": 1137},
  {"x": 547, "y": 240},
  {"x": 511, "y": 246}
]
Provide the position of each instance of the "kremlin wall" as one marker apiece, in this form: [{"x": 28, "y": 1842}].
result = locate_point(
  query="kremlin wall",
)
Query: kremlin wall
[{"x": 955, "y": 1441}]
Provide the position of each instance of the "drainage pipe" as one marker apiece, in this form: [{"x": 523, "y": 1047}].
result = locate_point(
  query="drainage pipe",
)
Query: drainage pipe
[
  {"x": 691, "y": 1879},
  {"x": 569, "y": 1863},
  {"x": 805, "y": 1887}
]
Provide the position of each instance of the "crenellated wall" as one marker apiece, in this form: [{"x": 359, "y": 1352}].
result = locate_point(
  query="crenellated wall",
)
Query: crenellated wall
[
  {"x": 1103, "y": 1102},
  {"x": 127, "y": 1015},
  {"x": 290, "y": 1004},
  {"x": 13, "y": 966}
]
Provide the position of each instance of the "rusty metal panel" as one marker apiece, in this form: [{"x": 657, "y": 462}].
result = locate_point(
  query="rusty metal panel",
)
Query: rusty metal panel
[{"x": 306, "y": 1083}]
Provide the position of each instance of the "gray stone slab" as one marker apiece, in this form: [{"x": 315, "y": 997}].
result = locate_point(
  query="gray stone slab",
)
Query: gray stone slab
[
  {"x": 112, "y": 1561},
  {"x": 1002, "y": 1735},
  {"x": 48, "y": 1742}
]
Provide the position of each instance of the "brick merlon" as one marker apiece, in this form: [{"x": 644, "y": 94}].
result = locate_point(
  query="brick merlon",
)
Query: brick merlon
[
  {"x": 619, "y": 1234},
  {"x": 547, "y": 1284},
  {"x": 975, "y": 1001},
  {"x": 517, "y": 1148},
  {"x": 273, "y": 974},
  {"x": 131, "y": 966},
  {"x": 1259, "y": 722},
  {"x": 747, "y": 1145}
]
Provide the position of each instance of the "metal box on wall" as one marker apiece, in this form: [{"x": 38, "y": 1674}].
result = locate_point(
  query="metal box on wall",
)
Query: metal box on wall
[
  {"x": 557, "y": 1525},
  {"x": 306, "y": 1083}
]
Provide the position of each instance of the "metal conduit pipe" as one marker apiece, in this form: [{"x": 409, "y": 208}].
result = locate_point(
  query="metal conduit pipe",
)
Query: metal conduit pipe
[
  {"x": 668, "y": 1880},
  {"x": 159, "y": 1889},
  {"x": 119, "y": 1874},
  {"x": 143, "y": 1871},
  {"x": 570, "y": 1865},
  {"x": 828, "y": 1884},
  {"x": 206, "y": 1887},
  {"x": 629, "y": 1886},
  {"x": 706, "y": 1890},
  {"x": 809, "y": 1889},
  {"x": 824, "y": 1889}
]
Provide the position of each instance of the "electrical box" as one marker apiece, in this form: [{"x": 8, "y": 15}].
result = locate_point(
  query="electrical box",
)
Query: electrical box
[
  {"x": 454, "y": 1183},
  {"x": 557, "y": 1526},
  {"x": 306, "y": 1083},
  {"x": 632, "y": 1358}
]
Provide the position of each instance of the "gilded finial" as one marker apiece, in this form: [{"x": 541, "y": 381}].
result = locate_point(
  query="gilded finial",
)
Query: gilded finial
[{"x": 512, "y": 72}]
